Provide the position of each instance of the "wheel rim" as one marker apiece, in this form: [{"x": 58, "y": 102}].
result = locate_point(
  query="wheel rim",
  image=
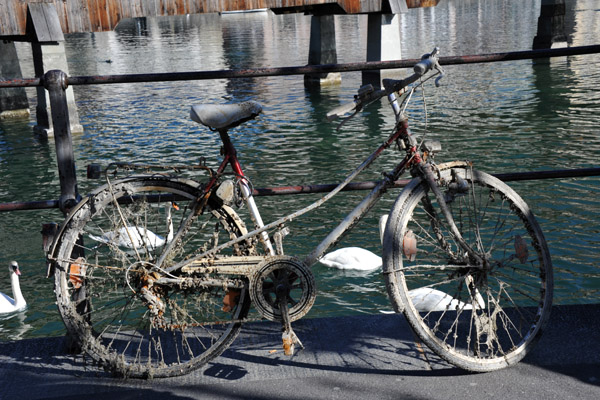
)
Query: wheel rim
[
  {"x": 491, "y": 314},
  {"x": 128, "y": 322}
]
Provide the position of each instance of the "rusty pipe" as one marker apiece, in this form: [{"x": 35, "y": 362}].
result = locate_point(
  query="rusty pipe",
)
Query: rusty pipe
[
  {"x": 323, "y": 188},
  {"x": 306, "y": 69}
]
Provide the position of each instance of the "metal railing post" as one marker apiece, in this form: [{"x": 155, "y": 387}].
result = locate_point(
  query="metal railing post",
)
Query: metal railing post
[{"x": 55, "y": 81}]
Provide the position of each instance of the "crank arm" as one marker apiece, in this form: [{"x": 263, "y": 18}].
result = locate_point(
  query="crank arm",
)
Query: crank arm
[{"x": 288, "y": 337}]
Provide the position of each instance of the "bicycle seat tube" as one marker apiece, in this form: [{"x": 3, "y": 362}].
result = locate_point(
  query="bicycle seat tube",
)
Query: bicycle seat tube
[{"x": 230, "y": 157}]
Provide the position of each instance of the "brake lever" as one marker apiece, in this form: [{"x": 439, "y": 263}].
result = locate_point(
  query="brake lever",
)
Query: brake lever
[
  {"x": 442, "y": 73},
  {"x": 356, "y": 111}
]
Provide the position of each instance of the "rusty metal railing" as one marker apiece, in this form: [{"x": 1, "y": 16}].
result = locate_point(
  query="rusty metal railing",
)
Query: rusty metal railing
[
  {"x": 57, "y": 81},
  {"x": 303, "y": 70},
  {"x": 324, "y": 188}
]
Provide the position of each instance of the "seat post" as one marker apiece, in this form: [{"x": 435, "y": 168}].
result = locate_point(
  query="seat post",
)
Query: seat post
[{"x": 228, "y": 148}]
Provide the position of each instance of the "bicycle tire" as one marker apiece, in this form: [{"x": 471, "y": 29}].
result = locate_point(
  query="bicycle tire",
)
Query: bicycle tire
[
  {"x": 103, "y": 306},
  {"x": 482, "y": 319}
]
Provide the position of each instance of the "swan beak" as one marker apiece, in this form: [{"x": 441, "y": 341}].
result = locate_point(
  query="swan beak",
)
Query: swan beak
[
  {"x": 175, "y": 206},
  {"x": 15, "y": 268}
]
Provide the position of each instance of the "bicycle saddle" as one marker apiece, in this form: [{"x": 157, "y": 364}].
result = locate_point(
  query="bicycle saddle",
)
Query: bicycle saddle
[{"x": 225, "y": 116}]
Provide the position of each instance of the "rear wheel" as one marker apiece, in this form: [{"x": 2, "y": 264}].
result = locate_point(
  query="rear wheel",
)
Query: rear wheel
[
  {"x": 121, "y": 306},
  {"x": 479, "y": 316}
]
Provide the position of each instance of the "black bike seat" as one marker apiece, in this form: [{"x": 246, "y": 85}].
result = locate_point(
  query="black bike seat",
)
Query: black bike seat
[{"x": 225, "y": 116}]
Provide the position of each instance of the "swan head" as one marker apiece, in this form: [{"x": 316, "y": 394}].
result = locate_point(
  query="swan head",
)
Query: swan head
[
  {"x": 14, "y": 268},
  {"x": 174, "y": 206},
  {"x": 171, "y": 206}
]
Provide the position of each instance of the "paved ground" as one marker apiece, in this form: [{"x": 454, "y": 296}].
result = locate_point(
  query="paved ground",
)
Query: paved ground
[{"x": 360, "y": 357}]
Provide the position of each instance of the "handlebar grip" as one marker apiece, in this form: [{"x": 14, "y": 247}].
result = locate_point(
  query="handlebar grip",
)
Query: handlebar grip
[
  {"x": 341, "y": 110},
  {"x": 423, "y": 66}
]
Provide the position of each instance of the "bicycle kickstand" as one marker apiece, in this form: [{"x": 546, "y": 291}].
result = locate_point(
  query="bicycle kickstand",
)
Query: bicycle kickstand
[{"x": 288, "y": 337}]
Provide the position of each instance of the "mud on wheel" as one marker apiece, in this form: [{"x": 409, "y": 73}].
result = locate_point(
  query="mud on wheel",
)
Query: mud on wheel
[
  {"x": 478, "y": 315},
  {"x": 120, "y": 305}
]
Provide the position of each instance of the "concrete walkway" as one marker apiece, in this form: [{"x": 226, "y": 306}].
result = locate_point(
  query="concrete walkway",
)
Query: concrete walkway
[{"x": 358, "y": 357}]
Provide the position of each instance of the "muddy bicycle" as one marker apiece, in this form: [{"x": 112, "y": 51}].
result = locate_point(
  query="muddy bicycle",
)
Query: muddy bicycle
[{"x": 155, "y": 272}]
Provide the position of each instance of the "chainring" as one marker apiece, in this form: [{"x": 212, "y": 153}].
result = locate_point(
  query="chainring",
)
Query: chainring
[{"x": 289, "y": 274}]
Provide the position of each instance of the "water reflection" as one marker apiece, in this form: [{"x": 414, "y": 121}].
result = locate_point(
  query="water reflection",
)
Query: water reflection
[
  {"x": 514, "y": 116},
  {"x": 14, "y": 327}
]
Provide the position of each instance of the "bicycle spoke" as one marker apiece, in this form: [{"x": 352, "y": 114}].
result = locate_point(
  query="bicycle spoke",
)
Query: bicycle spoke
[
  {"x": 130, "y": 315},
  {"x": 495, "y": 308}
]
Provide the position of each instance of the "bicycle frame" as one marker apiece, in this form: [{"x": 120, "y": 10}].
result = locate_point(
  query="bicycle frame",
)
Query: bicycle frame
[{"x": 230, "y": 158}]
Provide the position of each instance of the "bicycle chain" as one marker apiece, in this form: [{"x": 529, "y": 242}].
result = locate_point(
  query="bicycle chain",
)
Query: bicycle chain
[{"x": 223, "y": 322}]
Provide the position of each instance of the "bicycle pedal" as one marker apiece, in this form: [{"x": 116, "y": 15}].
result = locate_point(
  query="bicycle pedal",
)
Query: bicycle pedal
[
  {"x": 289, "y": 340},
  {"x": 288, "y": 344}
]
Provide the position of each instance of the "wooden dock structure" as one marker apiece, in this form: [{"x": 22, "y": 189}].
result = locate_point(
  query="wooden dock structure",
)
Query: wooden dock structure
[
  {"x": 43, "y": 23},
  {"x": 104, "y": 15}
]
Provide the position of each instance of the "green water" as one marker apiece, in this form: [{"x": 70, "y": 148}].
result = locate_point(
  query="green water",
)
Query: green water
[{"x": 505, "y": 117}]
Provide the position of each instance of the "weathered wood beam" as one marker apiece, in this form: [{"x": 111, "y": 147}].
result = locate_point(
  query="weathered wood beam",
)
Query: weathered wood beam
[{"x": 104, "y": 15}]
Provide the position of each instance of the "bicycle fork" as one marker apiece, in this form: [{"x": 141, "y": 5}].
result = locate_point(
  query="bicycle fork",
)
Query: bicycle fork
[{"x": 426, "y": 173}]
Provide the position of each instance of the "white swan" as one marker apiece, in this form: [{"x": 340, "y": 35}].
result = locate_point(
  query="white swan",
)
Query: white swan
[
  {"x": 8, "y": 304},
  {"x": 355, "y": 258},
  {"x": 424, "y": 299},
  {"x": 134, "y": 237},
  {"x": 429, "y": 299},
  {"x": 352, "y": 258}
]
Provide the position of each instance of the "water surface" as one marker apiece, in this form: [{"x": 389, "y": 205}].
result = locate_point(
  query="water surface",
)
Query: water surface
[{"x": 512, "y": 116}]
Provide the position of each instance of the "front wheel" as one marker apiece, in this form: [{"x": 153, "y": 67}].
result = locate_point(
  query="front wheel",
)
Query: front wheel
[
  {"x": 127, "y": 312},
  {"x": 479, "y": 313}
]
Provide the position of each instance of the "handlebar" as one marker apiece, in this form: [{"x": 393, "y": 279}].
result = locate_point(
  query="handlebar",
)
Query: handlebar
[
  {"x": 428, "y": 62},
  {"x": 367, "y": 94}
]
